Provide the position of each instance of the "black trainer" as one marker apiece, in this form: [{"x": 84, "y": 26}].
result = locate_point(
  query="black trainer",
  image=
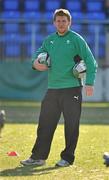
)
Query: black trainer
[
  {"x": 30, "y": 161},
  {"x": 62, "y": 163}
]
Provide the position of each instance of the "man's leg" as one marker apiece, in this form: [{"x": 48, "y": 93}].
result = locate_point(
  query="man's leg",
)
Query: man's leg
[
  {"x": 71, "y": 111},
  {"x": 49, "y": 117}
]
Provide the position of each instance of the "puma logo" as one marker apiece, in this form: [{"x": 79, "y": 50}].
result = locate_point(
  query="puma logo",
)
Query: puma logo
[{"x": 76, "y": 97}]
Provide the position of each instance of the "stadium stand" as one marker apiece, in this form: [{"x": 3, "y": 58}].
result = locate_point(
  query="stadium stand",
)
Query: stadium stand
[
  {"x": 74, "y": 5},
  {"x": 52, "y": 5},
  {"x": 11, "y": 5},
  {"x": 31, "y": 15},
  {"x": 50, "y": 28},
  {"x": 8, "y": 28},
  {"x": 32, "y": 11},
  {"x": 94, "y": 6},
  {"x": 31, "y": 5},
  {"x": 9, "y": 14}
]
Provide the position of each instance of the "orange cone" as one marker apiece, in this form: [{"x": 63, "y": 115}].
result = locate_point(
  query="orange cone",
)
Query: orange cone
[{"x": 13, "y": 153}]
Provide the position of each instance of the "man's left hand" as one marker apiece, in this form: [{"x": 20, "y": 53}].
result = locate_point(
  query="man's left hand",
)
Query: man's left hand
[{"x": 89, "y": 90}]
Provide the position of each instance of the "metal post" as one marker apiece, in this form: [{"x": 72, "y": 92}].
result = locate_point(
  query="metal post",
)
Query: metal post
[
  {"x": 33, "y": 38},
  {"x": 97, "y": 41}
]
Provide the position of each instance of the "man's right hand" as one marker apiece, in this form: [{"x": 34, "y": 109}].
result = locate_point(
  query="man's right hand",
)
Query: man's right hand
[{"x": 39, "y": 66}]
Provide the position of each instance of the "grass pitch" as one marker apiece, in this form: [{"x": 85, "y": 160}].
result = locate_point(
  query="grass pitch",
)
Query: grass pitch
[{"x": 19, "y": 135}]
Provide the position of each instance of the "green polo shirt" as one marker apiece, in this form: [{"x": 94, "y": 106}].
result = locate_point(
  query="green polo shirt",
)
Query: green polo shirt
[{"x": 62, "y": 50}]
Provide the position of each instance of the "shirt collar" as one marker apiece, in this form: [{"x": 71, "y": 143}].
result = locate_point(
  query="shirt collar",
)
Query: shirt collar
[{"x": 63, "y": 34}]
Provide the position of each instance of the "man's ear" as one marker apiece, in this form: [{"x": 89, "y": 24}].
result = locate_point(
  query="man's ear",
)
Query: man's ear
[
  {"x": 70, "y": 23},
  {"x": 54, "y": 23}
]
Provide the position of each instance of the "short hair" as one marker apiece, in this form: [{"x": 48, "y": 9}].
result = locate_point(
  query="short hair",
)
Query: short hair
[{"x": 62, "y": 12}]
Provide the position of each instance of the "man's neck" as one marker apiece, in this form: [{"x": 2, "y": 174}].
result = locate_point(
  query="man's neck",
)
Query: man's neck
[{"x": 62, "y": 34}]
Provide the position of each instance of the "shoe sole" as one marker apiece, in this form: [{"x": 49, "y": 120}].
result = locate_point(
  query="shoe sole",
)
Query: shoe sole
[
  {"x": 57, "y": 165},
  {"x": 26, "y": 164}
]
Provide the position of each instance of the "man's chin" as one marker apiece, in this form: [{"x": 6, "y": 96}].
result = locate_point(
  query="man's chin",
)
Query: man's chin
[{"x": 62, "y": 32}]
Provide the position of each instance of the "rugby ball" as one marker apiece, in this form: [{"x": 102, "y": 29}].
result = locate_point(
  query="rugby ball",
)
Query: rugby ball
[
  {"x": 79, "y": 70},
  {"x": 44, "y": 58}
]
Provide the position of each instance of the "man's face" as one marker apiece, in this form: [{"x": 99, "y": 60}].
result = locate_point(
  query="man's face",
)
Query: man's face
[{"x": 62, "y": 24}]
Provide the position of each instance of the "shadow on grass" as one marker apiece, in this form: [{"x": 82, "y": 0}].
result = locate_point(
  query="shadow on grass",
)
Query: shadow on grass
[{"x": 27, "y": 171}]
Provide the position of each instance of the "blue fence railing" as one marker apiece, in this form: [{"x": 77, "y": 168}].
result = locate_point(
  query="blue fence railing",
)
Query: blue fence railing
[{"x": 20, "y": 38}]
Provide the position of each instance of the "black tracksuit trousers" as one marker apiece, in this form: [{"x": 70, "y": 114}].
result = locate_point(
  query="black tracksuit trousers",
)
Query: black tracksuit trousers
[{"x": 57, "y": 101}]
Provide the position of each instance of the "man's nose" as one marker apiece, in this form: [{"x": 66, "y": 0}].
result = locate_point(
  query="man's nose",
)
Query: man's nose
[{"x": 61, "y": 23}]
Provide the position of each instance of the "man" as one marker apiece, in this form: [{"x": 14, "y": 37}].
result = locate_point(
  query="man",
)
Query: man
[
  {"x": 64, "y": 93},
  {"x": 2, "y": 120},
  {"x": 106, "y": 158}
]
